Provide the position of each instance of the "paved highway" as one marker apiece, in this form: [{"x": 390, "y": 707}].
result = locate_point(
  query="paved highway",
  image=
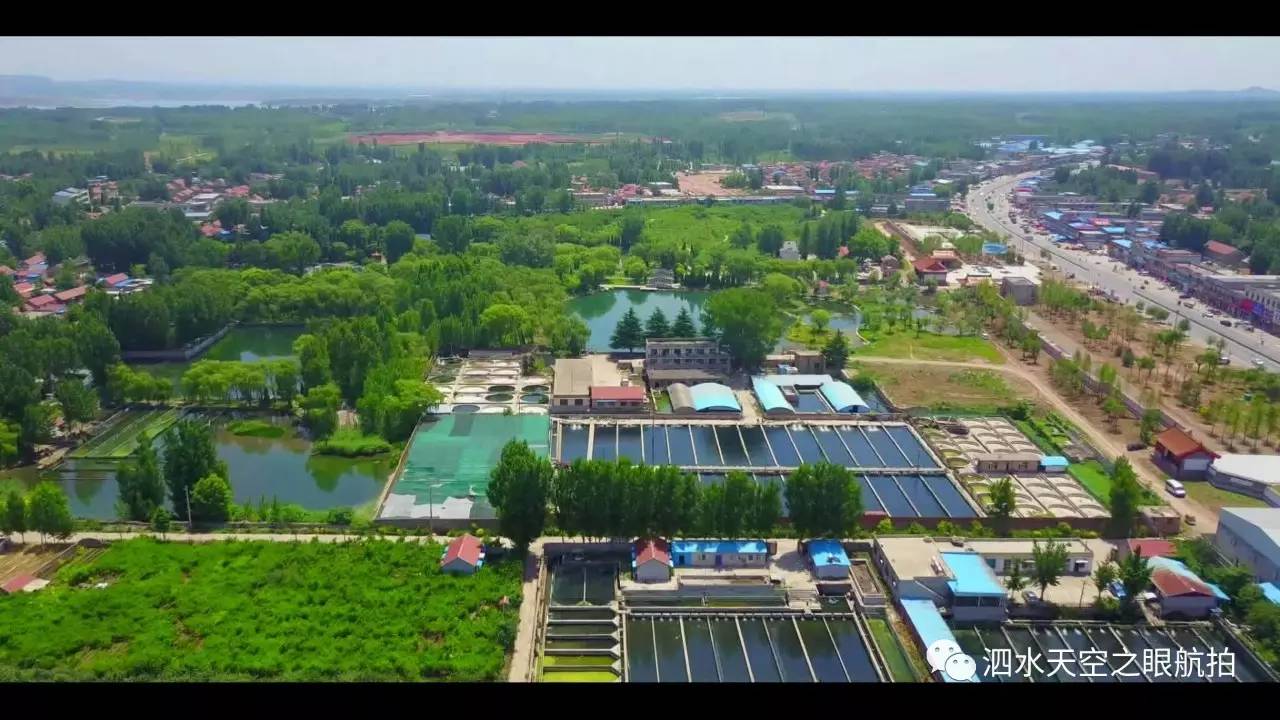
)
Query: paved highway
[{"x": 1117, "y": 279}]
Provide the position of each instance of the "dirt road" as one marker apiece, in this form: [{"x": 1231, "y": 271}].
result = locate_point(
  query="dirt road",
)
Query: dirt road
[{"x": 1206, "y": 519}]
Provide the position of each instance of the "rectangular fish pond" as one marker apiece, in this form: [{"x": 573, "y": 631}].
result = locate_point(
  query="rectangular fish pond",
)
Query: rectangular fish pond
[
  {"x": 582, "y": 641},
  {"x": 859, "y": 446},
  {"x": 746, "y": 647}
]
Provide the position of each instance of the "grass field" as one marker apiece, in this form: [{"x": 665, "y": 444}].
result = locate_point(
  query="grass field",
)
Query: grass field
[
  {"x": 1217, "y": 498},
  {"x": 944, "y": 388},
  {"x": 899, "y": 667},
  {"x": 929, "y": 346},
  {"x": 1096, "y": 480},
  {"x": 369, "y": 610}
]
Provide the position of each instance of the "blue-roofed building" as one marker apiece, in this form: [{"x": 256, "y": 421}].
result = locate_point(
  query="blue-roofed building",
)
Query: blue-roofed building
[
  {"x": 1053, "y": 464},
  {"x": 703, "y": 397},
  {"x": 843, "y": 399},
  {"x": 714, "y": 397},
  {"x": 1114, "y": 230},
  {"x": 719, "y": 553},
  {"x": 976, "y": 592},
  {"x": 771, "y": 398},
  {"x": 929, "y": 627},
  {"x": 1270, "y": 592},
  {"x": 994, "y": 249},
  {"x": 830, "y": 561}
]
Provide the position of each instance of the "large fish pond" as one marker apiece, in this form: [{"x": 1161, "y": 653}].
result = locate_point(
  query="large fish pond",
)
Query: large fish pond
[{"x": 258, "y": 467}]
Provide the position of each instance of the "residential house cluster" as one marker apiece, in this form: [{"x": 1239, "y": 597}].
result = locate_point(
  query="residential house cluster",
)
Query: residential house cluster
[
  {"x": 34, "y": 282},
  {"x": 197, "y": 198}
]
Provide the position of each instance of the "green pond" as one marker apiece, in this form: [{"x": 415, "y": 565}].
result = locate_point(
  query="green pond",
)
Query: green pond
[
  {"x": 246, "y": 344},
  {"x": 601, "y": 311},
  {"x": 282, "y": 467}
]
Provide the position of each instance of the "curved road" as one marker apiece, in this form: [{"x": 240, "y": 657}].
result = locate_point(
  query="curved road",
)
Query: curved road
[{"x": 1117, "y": 279}]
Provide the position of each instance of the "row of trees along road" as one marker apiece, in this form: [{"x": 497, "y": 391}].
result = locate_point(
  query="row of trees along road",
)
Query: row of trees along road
[{"x": 599, "y": 499}]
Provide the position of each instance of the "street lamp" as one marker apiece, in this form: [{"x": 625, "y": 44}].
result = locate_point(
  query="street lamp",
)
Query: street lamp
[{"x": 431, "y": 505}]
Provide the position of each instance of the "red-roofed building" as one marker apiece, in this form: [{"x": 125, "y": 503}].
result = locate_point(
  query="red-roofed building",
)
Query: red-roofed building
[
  {"x": 6, "y": 271},
  {"x": 37, "y": 259},
  {"x": 842, "y": 251},
  {"x": 1222, "y": 253},
  {"x": 651, "y": 560},
  {"x": 43, "y": 303},
  {"x": 73, "y": 295},
  {"x": 930, "y": 268},
  {"x": 114, "y": 280},
  {"x": 463, "y": 556},
  {"x": 626, "y": 399},
  {"x": 16, "y": 584},
  {"x": 1151, "y": 547},
  {"x": 24, "y": 289},
  {"x": 1181, "y": 455}
]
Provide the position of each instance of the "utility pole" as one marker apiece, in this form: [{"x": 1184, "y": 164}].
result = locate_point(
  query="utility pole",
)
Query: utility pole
[{"x": 189, "y": 522}]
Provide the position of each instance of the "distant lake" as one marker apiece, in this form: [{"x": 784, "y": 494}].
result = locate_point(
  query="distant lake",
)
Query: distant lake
[{"x": 601, "y": 311}]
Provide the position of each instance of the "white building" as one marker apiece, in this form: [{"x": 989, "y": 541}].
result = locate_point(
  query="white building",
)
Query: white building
[
  {"x": 1251, "y": 537},
  {"x": 789, "y": 251},
  {"x": 78, "y": 196},
  {"x": 1254, "y": 475}
]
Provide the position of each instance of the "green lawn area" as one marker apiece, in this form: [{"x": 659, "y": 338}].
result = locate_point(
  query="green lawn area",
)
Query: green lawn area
[
  {"x": 662, "y": 401},
  {"x": 899, "y": 667},
  {"x": 238, "y": 611},
  {"x": 1217, "y": 498},
  {"x": 930, "y": 346},
  {"x": 1096, "y": 480}
]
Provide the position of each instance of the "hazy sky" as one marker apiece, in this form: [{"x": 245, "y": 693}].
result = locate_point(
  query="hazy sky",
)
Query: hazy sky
[{"x": 869, "y": 63}]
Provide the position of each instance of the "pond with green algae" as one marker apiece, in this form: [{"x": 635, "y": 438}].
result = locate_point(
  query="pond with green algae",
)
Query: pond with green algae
[{"x": 245, "y": 344}]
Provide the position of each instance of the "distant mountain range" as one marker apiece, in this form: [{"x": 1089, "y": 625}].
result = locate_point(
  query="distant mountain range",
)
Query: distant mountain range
[{"x": 38, "y": 91}]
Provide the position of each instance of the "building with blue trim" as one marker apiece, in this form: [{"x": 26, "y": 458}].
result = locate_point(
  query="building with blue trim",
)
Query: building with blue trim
[{"x": 719, "y": 553}]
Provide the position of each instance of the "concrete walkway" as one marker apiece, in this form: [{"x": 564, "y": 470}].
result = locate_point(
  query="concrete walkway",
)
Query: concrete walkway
[{"x": 522, "y": 652}]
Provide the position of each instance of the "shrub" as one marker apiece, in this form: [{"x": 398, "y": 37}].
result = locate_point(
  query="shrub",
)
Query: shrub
[
  {"x": 352, "y": 443},
  {"x": 256, "y": 428}
]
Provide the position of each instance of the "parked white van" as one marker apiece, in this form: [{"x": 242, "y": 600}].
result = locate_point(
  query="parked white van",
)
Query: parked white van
[{"x": 1175, "y": 488}]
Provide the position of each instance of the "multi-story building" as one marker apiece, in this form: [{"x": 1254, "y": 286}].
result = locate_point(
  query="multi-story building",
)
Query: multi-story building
[
  {"x": 1161, "y": 262},
  {"x": 926, "y": 203},
  {"x": 685, "y": 360}
]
